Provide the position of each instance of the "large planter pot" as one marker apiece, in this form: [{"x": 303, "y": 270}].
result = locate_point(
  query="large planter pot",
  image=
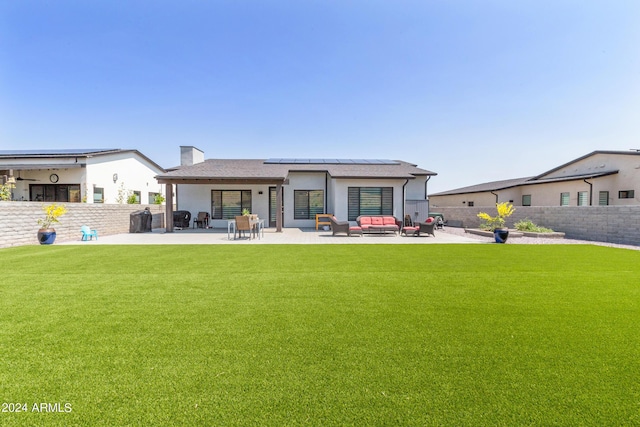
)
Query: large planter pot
[
  {"x": 46, "y": 236},
  {"x": 501, "y": 235}
]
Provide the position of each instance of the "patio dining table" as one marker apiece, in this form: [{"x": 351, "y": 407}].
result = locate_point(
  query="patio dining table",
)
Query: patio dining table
[{"x": 257, "y": 227}]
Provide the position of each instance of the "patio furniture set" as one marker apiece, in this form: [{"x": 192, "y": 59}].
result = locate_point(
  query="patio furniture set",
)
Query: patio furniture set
[{"x": 382, "y": 224}]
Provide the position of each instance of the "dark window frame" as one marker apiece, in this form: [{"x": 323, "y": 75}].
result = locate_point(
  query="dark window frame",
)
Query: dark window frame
[
  {"x": 626, "y": 194},
  {"x": 220, "y": 211},
  {"x": 361, "y": 201},
  {"x": 303, "y": 203}
]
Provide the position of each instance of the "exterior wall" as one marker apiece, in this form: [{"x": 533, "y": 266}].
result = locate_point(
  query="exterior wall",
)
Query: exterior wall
[
  {"x": 72, "y": 175},
  {"x": 134, "y": 174},
  {"x": 613, "y": 224},
  {"x": 628, "y": 178},
  {"x": 19, "y": 220},
  {"x": 415, "y": 188},
  {"x": 302, "y": 181},
  {"x": 197, "y": 198},
  {"x": 340, "y": 195}
]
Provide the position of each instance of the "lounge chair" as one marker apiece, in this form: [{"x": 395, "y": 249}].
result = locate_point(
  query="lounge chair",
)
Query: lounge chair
[
  {"x": 425, "y": 228},
  {"x": 339, "y": 226}
]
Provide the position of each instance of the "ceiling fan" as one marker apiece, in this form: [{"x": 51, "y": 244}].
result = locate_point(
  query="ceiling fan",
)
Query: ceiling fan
[{"x": 19, "y": 178}]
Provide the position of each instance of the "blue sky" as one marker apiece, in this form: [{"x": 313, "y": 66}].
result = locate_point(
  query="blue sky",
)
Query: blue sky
[{"x": 473, "y": 90}]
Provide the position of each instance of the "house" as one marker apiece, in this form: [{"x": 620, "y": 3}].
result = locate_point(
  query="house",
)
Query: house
[
  {"x": 81, "y": 175},
  {"x": 598, "y": 178},
  {"x": 298, "y": 189}
]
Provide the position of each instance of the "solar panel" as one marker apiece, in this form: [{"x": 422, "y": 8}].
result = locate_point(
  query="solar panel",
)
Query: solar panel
[
  {"x": 332, "y": 161},
  {"x": 67, "y": 151}
]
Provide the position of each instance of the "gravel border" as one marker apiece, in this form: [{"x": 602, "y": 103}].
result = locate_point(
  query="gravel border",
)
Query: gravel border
[{"x": 534, "y": 240}]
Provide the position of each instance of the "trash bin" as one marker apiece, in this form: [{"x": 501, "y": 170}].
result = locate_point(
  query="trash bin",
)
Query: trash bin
[{"x": 140, "y": 221}]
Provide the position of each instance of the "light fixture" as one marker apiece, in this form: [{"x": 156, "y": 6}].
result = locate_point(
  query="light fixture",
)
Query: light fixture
[{"x": 115, "y": 178}]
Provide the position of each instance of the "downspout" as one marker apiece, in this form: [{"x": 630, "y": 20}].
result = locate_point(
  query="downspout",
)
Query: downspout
[
  {"x": 495, "y": 194},
  {"x": 426, "y": 195},
  {"x": 590, "y": 191},
  {"x": 404, "y": 199},
  {"x": 326, "y": 189}
]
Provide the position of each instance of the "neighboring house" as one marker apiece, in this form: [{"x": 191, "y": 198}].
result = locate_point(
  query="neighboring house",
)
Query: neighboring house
[
  {"x": 81, "y": 175},
  {"x": 298, "y": 188},
  {"x": 598, "y": 178}
]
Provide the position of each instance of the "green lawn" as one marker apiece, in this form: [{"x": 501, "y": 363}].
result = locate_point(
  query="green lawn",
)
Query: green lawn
[{"x": 321, "y": 335}]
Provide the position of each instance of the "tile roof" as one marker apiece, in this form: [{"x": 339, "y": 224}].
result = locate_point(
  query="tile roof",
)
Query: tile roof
[
  {"x": 261, "y": 170},
  {"x": 509, "y": 183}
]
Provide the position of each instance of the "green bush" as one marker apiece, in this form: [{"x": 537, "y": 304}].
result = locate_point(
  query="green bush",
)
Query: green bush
[{"x": 528, "y": 225}]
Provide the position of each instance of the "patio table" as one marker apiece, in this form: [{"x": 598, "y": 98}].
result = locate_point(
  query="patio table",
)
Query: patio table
[{"x": 231, "y": 223}]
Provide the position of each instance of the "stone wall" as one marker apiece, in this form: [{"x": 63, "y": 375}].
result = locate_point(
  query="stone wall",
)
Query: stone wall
[
  {"x": 19, "y": 220},
  {"x": 612, "y": 224}
]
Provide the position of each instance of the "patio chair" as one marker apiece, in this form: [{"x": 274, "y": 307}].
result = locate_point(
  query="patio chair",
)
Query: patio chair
[
  {"x": 181, "y": 219},
  {"x": 202, "y": 220},
  {"x": 339, "y": 226},
  {"x": 425, "y": 228},
  {"x": 88, "y": 233},
  {"x": 243, "y": 224}
]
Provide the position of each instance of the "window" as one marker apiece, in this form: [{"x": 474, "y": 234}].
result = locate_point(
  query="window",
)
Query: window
[
  {"x": 370, "y": 201},
  {"x": 582, "y": 198},
  {"x": 138, "y": 196},
  {"x": 308, "y": 203},
  {"x": 564, "y": 199},
  {"x": 526, "y": 200},
  {"x": 152, "y": 198},
  {"x": 603, "y": 198},
  {"x": 98, "y": 195},
  {"x": 470, "y": 204},
  {"x": 625, "y": 194},
  {"x": 227, "y": 204},
  {"x": 54, "y": 193}
]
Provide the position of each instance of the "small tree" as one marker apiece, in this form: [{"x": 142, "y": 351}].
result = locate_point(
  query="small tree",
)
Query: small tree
[
  {"x": 5, "y": 191},
  {"x": 122, "y": 194},
  {"x": 504, "y": 209}
]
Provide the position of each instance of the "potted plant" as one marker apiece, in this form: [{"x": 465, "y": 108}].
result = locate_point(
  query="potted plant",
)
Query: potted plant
[
  {"x": 497, "y": 223},
  {"x": 47, "y": 234}
]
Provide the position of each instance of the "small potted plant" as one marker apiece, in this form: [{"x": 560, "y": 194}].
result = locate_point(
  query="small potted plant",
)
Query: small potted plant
[
  {"x": 497, "y": 223},
  {"x": 47, "y": 234}
]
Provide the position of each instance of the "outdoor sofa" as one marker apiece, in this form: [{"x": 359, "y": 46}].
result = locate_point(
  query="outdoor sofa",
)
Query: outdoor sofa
[{"x": 379, "y": 224}]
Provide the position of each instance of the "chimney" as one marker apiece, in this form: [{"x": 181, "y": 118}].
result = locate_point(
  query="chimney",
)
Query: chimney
[{"x": 190, "y": 155}]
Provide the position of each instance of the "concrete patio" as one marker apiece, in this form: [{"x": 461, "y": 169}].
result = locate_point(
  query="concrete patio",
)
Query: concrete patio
[{"x": 287, "y": 236}]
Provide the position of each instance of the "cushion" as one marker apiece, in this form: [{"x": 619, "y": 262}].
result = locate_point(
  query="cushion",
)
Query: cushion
[
  {"x": 365, "y": 220},
  {"x": 355, "y": 228},
  {"x": 430, "y": 220},
  {"x": 389, "y": 220},
  {"x": 376, "y": 220}
]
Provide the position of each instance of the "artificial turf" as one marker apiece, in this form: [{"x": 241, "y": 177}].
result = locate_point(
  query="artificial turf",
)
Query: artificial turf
[{"x": 322, "y": 335}]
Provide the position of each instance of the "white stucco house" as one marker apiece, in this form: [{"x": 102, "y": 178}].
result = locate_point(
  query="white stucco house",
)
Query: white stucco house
[
  {"x": 81, "y": 175},
  {"x": 297, "y": 188},
  {"x": 599, "y": 178}
]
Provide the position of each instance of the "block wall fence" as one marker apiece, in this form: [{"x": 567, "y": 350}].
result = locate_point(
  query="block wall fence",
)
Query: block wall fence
[
  {"x": 611, "y": 224},
  {"x": 19, "y": 220}
]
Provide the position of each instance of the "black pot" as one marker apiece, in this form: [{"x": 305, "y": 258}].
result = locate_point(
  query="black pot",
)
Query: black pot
[
  {"x": 46, "y": 236},
  {"x": 501, "y": 235}
]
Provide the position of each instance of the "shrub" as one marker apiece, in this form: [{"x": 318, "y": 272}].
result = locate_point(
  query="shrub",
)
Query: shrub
[{"x": 528, "y": 225}]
